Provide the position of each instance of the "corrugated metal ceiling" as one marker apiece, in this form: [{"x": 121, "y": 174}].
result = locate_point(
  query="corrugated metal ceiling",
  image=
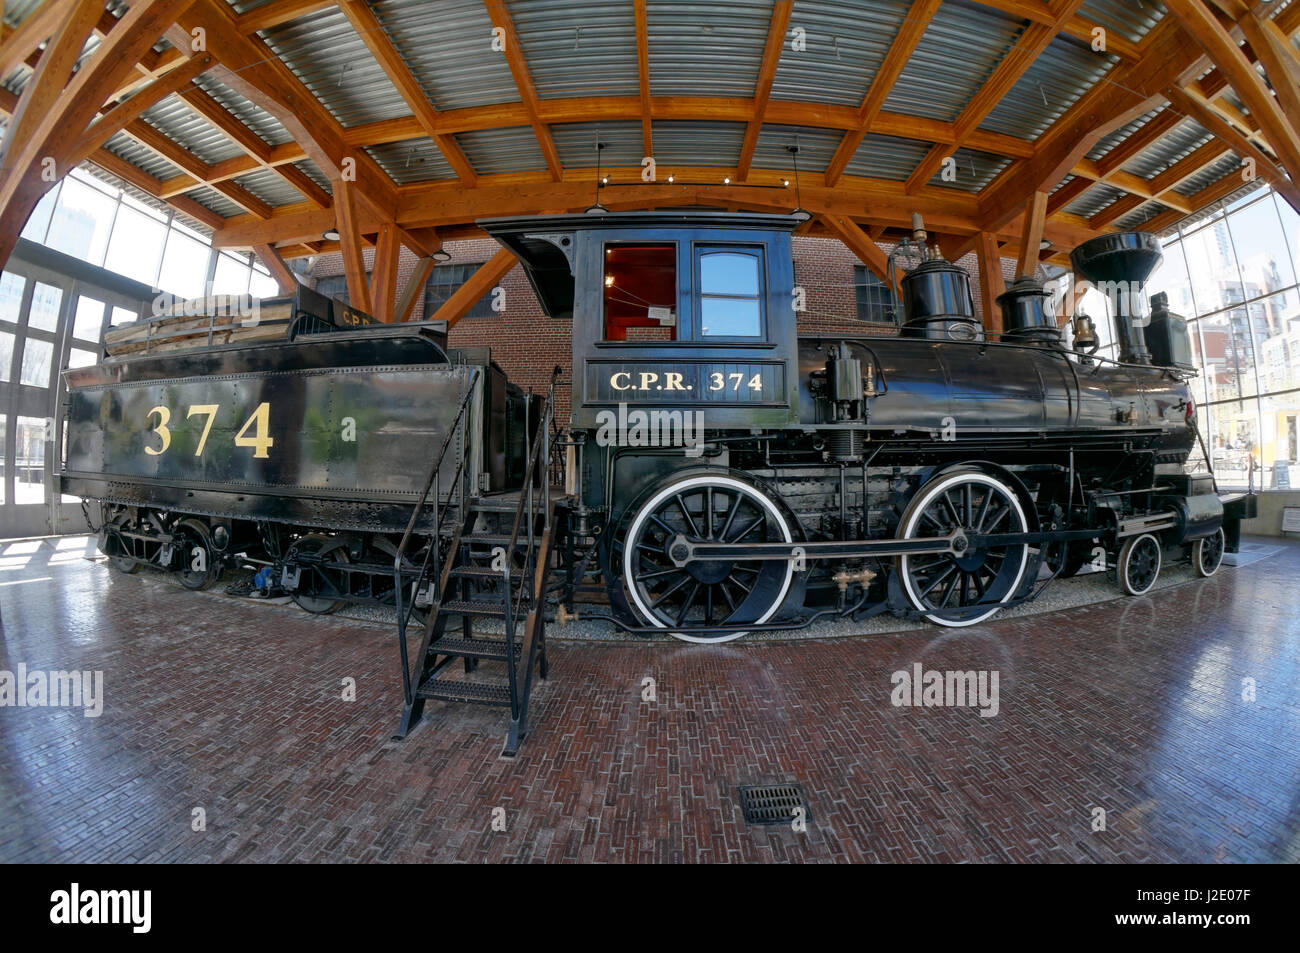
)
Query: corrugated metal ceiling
[
  {"x": 448, "y": 46},
  {"x": 1054, "y": 81},
  {"x": 816, "y": 147},
  {"x": 715, "y": 45},
  {"x": 578, "y": 48},
  {"x": 961, "y": 48},
  {"x": 973, "y": 170},
  {"x": 333, "y": 62},
  {"x": 887, "y": 157},
  {"x": 1179, "y": 142},
  {"x": 843, "y": 43},
  {"x": 269, "y": 187},
  {"x": 179, "y": 122},
  {"x": 413, "y": 160},
  {"x": 698, "y": 143},
  {"x": 492, "y": 151},
  {"x": 576, "y": 144}
]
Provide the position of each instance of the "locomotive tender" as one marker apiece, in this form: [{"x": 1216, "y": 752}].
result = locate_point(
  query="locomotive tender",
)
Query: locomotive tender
[{"x": 722, "y": 473}]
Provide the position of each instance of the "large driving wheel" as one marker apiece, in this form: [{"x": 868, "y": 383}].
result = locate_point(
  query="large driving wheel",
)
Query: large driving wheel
[
  {"x": 966, "y": 588},
  {"x": 1207, "y": 553},
  {"x": 315, "y": 580},
  {"x": 716, "y": 508},
  {"x": 1138, "y": 564}
]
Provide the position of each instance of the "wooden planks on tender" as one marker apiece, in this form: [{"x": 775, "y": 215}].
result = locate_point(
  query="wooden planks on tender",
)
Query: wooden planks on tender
[{"x": 216, "y": 319}]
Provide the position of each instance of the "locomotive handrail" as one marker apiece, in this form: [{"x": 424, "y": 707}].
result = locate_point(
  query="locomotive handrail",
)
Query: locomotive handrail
[{"x": 431, "y": 482}]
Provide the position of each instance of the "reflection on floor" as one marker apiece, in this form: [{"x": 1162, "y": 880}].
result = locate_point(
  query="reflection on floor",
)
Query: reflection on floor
[{"x": 1174, "y": 714}]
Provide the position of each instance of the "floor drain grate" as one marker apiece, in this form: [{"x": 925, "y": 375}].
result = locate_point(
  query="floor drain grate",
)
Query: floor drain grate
[{"x": 773, "y": 803}]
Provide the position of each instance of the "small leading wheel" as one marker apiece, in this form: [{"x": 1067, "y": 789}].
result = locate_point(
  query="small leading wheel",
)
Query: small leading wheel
[
  {"x": 1207, "y": 553},
  {"x": 718, "y": 508},
  {"x": 198, "y": 569},
  {"x": 1138, "y": 564},
  {"x": 961, "y": 590},
  {"x": 328, "y": 551}
]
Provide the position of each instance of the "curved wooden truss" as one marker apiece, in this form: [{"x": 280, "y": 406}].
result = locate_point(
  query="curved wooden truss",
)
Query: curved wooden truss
[{"x": 1182, "y": 68}]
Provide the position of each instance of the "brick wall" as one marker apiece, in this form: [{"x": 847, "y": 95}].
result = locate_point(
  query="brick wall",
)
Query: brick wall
[{"x": 528, "y": 344}]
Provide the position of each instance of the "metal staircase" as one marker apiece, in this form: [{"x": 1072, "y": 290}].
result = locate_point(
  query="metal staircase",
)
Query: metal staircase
[{"x": 491, "y": 561}]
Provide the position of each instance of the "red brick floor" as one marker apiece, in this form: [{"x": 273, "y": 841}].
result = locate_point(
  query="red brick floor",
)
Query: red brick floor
[{"x": 1134, "y": 706}]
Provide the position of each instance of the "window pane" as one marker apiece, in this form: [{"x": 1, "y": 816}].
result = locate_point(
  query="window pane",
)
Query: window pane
[
  {"x": 730, "y": 317},
  {"x": 123, "y": 316},
  {"x": 263, "y": 286},
  {"x": 11, "y": 297},
  {"x": 1227, "y": 357},
  {"x": 6, "y": 355},
  {"x": 640, "y": 292},
  {"x": 89, "y": 319},
  {"x": 1213, "y": 268},
  {"x": 34, "y": 230},
  {"x": 29, "y": 461},
  {"x": 728, "y": 273},
  {"x": 81, "y": 222},
  {"x": 3, "y": 433},
  {"x": 1277, "y": 339},
  {"x": 37, "y": 357},
  {"x": 136, "y": 246},
  {"x": 1281, "y": 437},
  {"x": 231, "y": 277},
  {"x": 82, "y": 358},
  {"x": 1171, "y": 278},
  {"x": 1261, "y": 249},
  {"x": 44, "y": 314},
  {"x": 184, "y": 267}
]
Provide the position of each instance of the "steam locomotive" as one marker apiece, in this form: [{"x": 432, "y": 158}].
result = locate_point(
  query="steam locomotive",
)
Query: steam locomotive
[{"x": 721, "y": 473}]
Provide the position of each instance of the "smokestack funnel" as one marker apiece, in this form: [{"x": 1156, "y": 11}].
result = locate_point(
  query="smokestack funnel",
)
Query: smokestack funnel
[{"x": 1118, "y": 266}]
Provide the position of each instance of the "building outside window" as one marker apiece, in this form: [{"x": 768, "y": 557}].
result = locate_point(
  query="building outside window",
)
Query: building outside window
[
  {"x": 877, "y": 303},
  {"x": 444, "y": 282}
]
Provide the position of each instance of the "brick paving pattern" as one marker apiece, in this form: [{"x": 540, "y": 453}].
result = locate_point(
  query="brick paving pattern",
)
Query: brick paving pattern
[{"x": 1134, "y": 706}]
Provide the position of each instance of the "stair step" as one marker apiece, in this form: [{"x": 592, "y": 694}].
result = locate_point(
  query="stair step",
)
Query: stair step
[
  {"x": 486, "y": 573},
  {"x": 496, "y": 610},
  {"x": 488, "y": 505},
  {"x": 473, "y": 648},
  {"x": 481, "y": 693}
]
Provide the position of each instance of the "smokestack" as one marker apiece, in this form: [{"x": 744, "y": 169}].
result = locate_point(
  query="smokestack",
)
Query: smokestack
[{"x": 1118, "y": 265}]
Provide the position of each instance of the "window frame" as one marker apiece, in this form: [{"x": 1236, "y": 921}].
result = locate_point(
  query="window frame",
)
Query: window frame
[{"x": 698, "y": 250}]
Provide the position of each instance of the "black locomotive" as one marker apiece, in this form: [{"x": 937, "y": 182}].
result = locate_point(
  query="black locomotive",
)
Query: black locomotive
[{"x": 720, "y": 472}]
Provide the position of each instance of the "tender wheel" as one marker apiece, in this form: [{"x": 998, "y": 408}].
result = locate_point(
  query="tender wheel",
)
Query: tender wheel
[
  {"x": 1207, "y": 553},
  {"x": 1138, "y": 564},
  {"x": 967, "y": 588},
  {"x": 330, "y": 551},
  {"x": 720, "y": 508},
  {"x": 198, "y": 568}
]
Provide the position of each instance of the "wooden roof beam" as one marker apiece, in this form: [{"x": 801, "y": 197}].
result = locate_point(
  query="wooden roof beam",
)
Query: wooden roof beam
[
  {"x": 284, "y": 277},
  {"x": 643, "y": 74},
  {"x": 372, "y": 33},
  {"x": 514, "y": 53},
  {"x": 1019, "y": 58},
  {"x": 480, "y": 283},
  {"x": 763, "y": 87},
  {"x": 900, "y": 51}
]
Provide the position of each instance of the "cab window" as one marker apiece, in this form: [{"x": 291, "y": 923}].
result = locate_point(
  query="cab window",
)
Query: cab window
[
  {"x": 640, "y": 292},
  {"x": 730, "y": 292}
]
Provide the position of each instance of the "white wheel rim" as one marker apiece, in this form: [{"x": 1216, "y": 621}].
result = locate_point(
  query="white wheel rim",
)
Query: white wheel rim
[
  {"x": 918, "y": 506},
  {"x": 691, "y": 483}
]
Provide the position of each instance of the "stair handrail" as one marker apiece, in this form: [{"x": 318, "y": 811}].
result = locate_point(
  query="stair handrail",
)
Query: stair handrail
[
  {"x": 433, "y": 482},
  {"x": 540, "y": 449}
]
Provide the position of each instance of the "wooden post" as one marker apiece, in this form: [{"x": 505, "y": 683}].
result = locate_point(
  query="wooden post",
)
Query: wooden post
[
  {"x": 383, "y": 278},
  {"x": 280, "y": 271},
  {"x": 414, "y": 285},
  {"x": 991, "y": 282},
  {"x": 354, "y": 262},
  {"x": 1031, "y": 234}
]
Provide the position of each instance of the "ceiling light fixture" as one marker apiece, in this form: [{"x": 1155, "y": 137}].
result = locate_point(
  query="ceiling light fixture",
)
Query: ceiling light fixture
[
  {"x": 799, "y": 212},
  {"x": 441, "y": 255},
  {"x": 331, "y": 235},
  {"x": 596, "y": 207}
]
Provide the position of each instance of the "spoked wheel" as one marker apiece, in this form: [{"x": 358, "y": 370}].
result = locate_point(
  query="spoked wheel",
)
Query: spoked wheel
[
  {"x": 330, "y": 551},
  {"x": 715, "y": 508},
  {"x": 1138, "y": 564},
  {"x": 412, "y": 561},
  {"x": 960, "y": 590},
  {"x": 1207, "y": 553},
  {"x": 198, "y": 568}
]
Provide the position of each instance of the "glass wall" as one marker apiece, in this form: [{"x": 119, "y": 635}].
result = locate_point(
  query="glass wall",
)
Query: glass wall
[
  {"x": 105, "y": 226},
  {"x": 1234, "y": 276}
]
